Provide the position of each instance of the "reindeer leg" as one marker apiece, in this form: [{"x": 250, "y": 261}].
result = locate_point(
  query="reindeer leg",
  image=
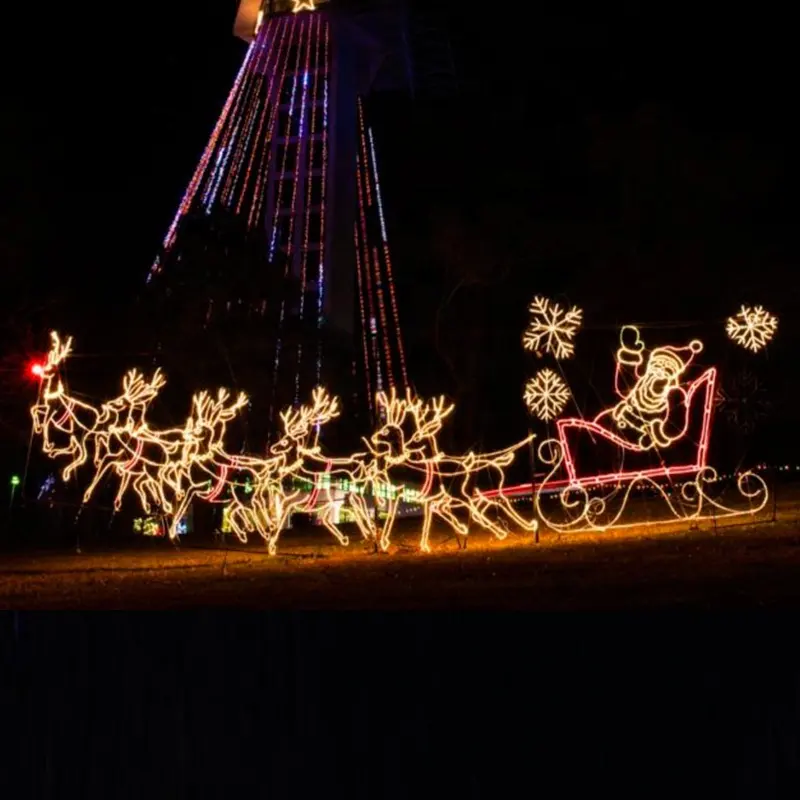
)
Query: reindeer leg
[
  {"x": 103, "y": 467},
  {"x": 481, "y": 517},
  {"x": 362, "y": 518},
  {"x": 328, "y": 522},
  {"x": 81, "y": 458},
  {"x": 141, "y": 492},
  {"x": 444, "y": 511},
  {"x": 180, "y": 511},
  {"x": 282, "y": 514},
  {"x": 427, "y": 521},
  {"x": 124, "y": 483},
  {"x": 388, "y": 525}
]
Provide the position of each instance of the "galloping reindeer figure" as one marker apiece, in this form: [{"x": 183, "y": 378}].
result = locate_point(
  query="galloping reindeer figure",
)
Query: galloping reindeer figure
[
  {"x": 296, "y": 457},
  {"x": 301, "y": 448},
  {"x": 57, "y": 415},
  {"x": 200, "y": 466},
  {"x": 63, "y": 421},
  {"x": 133, "y": 451},
  {"x": 408, "y": 442}
]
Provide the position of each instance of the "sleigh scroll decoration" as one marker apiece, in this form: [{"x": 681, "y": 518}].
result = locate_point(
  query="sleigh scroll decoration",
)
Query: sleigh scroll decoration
[{"x": 656, "y": 437}]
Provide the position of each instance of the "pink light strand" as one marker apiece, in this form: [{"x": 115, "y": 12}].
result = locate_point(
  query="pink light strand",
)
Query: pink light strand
[
  {"x": 266, "y": 153},
  {"x": 266, "y": 116}
]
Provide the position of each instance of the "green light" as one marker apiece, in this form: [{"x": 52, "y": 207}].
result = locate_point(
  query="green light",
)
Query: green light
[{"x": 15, "y": 480}]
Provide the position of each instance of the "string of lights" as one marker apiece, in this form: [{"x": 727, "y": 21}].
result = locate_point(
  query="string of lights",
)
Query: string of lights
[
  {"x": 326, "y": 71},
  {"x": 312, "y": 138},
  {"x": 189, "y": 194}
]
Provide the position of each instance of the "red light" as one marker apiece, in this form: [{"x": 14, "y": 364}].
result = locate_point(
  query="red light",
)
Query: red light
[{"x": 36, "y": 370}]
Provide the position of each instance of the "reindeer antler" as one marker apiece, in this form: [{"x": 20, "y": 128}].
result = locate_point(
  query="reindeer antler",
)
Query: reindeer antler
[
  {"x": 224, "y": 412},
  {"x": 58, "y": 352},
  {"x": 429, "y": 417},
  {"x": 395, "y": 409},
  {"x": 135, "y": 388},
  {"x": 297, "y": 423},
  {"x": 158, "y": 381}
]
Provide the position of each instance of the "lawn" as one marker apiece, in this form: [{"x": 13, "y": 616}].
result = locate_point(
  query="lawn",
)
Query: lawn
[{"x": 741, "y": 566}]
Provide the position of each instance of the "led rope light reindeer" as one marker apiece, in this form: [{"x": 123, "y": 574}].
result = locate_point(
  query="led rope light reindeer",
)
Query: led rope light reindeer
[
  {"x": 133, "y": 451},
  {"x": 58, "y": 415},
  {"x": 394, "y": 450},
  {"x": 297, "y": 459},
  {"x": 199, "y": 467},
  {"x": 63, "y": 422}
]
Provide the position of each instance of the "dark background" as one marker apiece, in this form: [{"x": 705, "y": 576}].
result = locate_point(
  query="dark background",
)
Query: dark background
[
  {"x": 395, "y": 706},
  {"x": 637, "y": 163}
]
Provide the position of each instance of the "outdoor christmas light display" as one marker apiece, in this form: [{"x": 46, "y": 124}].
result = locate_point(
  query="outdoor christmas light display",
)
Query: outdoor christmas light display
[
  {"x": 752, "y": 328},
  {"x": 407, "y": 444},
  {"x": 546, "y": 395},
  {"x": 293, "y": 157},
  {"x": 552, "y": 328},
  {"x": 170, "y": 468},
  {"x": 656, "y": 436}
]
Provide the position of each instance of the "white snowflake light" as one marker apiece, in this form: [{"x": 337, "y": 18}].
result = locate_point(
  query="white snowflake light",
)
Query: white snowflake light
[
  {"x": 546, "y": 395},
  {"x": 752, "y": 328},
  {"x": 552, "y": 328}
]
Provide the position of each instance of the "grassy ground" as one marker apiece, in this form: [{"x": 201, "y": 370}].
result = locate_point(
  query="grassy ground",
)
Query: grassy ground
[{"x": 735, "y": 567}]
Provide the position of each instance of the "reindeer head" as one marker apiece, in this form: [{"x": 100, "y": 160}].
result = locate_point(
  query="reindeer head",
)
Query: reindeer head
[
  {"x": 43, "y": 409},
  {"x": 137, "y": 394},
  {"x": 410, "y": 427},
  {"x": 209, "y": 419},
  {"x": 300, "y": 424},
  {"x": 59, "y": 352},
  {"x": 137, "y": 390}
]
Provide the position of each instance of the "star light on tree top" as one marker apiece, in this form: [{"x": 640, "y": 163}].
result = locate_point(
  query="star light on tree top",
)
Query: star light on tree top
[
  {"x": 303, "y": 5},
  {"x": 552, "y": 328},
  {"x": 752, "y": 328},
  {"x": 546, "y": 395}
]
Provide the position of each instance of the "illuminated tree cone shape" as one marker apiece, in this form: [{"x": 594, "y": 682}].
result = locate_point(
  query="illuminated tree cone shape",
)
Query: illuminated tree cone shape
[
  {"x": 293, "y": 157},
  {"x": 552, "y": 328},
  {"x": 404, "y": 450},
  {"x": 546, "y": 395},
  {"x": 752, "y": 328},
  {"x": 656, "y": 437}
]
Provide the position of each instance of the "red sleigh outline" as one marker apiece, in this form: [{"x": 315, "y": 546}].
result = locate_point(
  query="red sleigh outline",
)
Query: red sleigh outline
[{"x": 707, "y": 381}]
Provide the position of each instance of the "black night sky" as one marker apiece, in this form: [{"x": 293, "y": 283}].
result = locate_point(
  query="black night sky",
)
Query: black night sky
[{"x": 636, "y": 164}]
